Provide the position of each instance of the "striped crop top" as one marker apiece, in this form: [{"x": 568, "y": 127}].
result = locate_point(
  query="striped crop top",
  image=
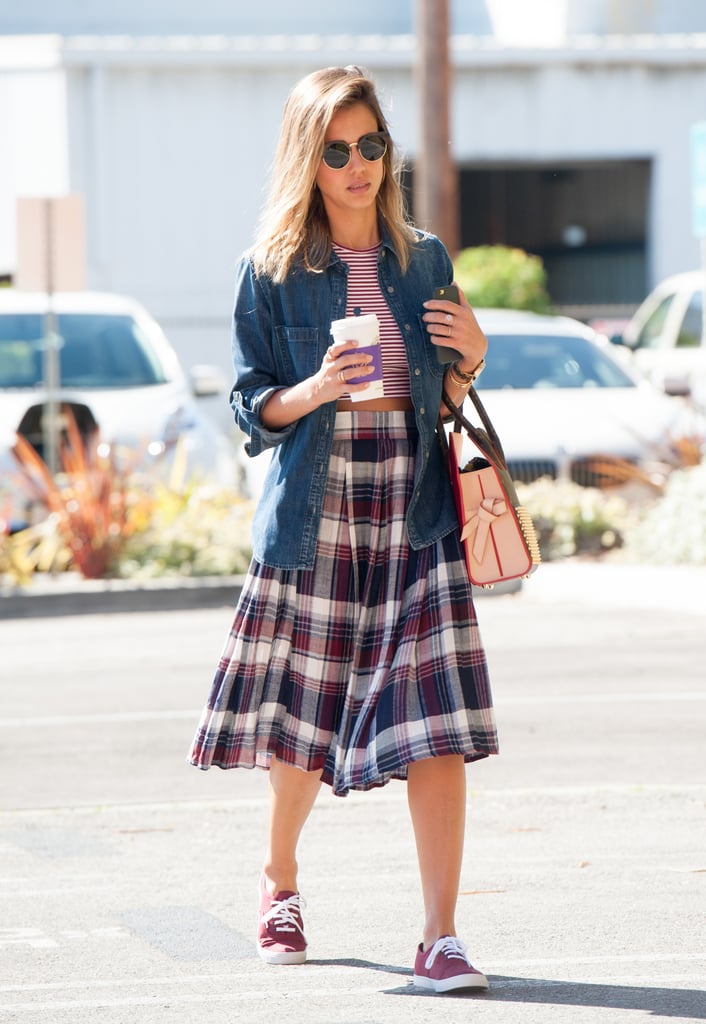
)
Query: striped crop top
[{"x": 365, "y": 296}]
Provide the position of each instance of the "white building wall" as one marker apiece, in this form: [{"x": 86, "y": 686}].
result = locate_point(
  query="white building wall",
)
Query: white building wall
[
  {"x": 567, "y": 111},
  {"x": 34, "y": 154}
]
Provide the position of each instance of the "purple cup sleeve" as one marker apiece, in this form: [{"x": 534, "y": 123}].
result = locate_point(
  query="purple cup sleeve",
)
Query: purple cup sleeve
[{"x": 368, "y": 378}]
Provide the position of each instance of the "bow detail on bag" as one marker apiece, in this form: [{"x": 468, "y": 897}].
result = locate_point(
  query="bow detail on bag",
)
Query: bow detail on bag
[{"x": 480, "y": 521}]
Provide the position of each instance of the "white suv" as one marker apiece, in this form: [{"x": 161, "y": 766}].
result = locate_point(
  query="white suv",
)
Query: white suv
[{"x": 668, "y": 337}]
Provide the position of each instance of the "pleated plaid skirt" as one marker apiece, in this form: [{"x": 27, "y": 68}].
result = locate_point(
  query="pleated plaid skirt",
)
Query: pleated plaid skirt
[{"x": 368, "y": 661}]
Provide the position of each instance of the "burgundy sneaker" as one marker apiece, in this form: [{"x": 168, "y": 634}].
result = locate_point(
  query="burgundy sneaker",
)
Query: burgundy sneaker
[
  {"x": 280, "y": 933},
  {"x": 446, "y": 967}
]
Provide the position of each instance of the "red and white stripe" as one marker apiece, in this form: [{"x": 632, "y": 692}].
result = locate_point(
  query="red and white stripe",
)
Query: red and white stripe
[{"x": 364, "y": 297}]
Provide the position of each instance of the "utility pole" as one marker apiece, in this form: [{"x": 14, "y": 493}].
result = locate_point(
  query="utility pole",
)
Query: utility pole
[
  {"x": 436, "y": 202},
  {"x": 51, "y": 426}
]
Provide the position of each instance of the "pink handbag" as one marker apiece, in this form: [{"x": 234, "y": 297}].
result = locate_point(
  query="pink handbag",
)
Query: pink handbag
[{"x": 497, "y": 533}]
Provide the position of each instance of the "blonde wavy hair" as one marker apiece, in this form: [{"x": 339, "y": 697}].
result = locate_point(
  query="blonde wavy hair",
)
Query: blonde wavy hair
[{"x": 294, "y": 223}]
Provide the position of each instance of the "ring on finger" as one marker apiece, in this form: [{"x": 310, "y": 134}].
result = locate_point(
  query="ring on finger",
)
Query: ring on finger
[
  {"x": 341, "y": 376},
  {"x": 449, "y": 318},
  {"x": 448, "y": 332}
]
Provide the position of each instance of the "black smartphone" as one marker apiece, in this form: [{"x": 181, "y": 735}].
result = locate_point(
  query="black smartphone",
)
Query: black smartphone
[{"x": 443, "y": 353}]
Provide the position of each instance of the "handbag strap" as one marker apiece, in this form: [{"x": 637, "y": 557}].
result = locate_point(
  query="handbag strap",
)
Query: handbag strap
[{"x": 487, "y": 439}]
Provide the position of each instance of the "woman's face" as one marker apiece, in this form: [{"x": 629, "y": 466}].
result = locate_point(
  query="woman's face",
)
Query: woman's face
[{"x": 353, "y": 189}]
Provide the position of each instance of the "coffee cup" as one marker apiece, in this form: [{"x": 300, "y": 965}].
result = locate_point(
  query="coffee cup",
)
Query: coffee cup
[{"x": 365, "y": 331}]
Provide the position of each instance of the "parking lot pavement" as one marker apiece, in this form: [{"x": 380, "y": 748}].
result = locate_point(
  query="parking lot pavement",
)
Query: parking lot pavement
[
  {"x": 570, "y": 902},
  {"x": 128, "y": 879}
]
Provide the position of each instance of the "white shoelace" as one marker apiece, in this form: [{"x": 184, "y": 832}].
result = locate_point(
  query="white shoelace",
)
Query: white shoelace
[
  {"x": 451, "y": 947},
  {"x": 286, "y": 914}
]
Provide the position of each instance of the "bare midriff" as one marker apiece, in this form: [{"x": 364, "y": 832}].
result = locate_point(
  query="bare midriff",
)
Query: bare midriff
[{"x": 376, "y": 405}]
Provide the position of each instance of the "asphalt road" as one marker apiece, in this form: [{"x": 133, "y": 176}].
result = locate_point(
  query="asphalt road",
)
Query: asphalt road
[{"x": 127, "y": 886}]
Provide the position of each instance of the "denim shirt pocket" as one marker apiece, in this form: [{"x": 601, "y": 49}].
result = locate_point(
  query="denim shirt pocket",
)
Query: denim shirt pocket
[{"x": 298, "y": 350}]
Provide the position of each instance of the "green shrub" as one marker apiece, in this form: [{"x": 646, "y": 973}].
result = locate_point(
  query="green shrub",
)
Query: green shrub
[{"x": 499, "y": 277}]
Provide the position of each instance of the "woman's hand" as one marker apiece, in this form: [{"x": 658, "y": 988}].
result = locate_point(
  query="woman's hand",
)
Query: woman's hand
[
  {"x": 455, "y": 326},
  {"x": 340, "y": 363},
  {"x": 328, "y": 384}
]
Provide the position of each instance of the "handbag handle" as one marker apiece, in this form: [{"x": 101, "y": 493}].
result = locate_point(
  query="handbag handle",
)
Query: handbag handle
[{"x": 487, "y": 439}]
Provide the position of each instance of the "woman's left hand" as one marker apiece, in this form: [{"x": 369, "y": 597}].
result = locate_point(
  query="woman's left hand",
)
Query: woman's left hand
[{"x": 455, "y": 326}]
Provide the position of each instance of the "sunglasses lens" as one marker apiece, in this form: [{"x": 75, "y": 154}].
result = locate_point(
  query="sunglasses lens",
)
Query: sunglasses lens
[
  {"x": 337, "y": 155},
  {"x": 372, "y": 147}
]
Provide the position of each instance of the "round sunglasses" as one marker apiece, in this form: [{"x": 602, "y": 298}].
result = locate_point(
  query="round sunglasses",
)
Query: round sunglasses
[{"x": 371, "y": 147}]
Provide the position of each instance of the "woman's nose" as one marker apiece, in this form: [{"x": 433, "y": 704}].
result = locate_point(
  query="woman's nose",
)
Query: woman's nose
[{"x": 355, "y": 155}]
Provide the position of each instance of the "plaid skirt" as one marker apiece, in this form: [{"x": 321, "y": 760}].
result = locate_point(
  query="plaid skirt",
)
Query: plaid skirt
[{"x": 368, "y": 661}]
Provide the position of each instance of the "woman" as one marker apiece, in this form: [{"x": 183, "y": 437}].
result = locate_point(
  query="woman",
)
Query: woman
[{"x": 354, "y": 657}]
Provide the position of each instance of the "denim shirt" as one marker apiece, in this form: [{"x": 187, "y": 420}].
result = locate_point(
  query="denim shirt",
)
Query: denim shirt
[{"x": 280, "y": 336}]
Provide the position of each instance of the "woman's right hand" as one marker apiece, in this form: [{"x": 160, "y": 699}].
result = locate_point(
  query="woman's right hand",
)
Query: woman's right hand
[
  {"x": 328, "y": 384},
  {"x": 341, "y": 362}
]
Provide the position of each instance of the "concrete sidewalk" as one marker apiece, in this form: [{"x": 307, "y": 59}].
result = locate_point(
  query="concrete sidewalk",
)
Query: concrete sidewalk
[
  {"x": 607, "y": 583},
  {"x": 614, "y": 584}
]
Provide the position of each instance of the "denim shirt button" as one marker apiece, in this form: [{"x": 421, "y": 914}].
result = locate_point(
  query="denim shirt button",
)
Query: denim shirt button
[
  {"x": 422, "y": 410},
  {"x": 390, "y": 289},
  {"x": 407, "y": 327},
  {"x": 417, "y": 371}
]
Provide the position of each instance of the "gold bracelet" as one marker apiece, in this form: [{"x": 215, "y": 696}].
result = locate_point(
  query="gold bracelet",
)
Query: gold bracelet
[
  {"x": 456, "y": 380},
  {"x": 462, "y": 379}
]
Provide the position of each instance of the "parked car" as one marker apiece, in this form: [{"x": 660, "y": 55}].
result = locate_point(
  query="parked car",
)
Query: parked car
[
  {"x": 667, "y": 336},
  {"x": 561, "y": 404},
  {"x": 118, "y": 375}
]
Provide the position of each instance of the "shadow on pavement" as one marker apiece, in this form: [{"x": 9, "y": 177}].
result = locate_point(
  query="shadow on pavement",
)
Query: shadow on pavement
[
  {"x": 659, "y": 1002},
  {"x": 366, "y": 965}
]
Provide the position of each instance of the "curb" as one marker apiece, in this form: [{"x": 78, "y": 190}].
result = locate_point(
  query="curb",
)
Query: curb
[
  {"x": 72, "y": 595},
  {"x": 604, "y": 584}
]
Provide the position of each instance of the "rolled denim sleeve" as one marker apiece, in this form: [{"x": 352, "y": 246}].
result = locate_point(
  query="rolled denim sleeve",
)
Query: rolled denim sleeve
[{"x": 256, "y": 373}]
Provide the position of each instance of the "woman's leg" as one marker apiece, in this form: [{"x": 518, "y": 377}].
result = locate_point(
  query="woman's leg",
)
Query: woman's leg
[
  {"x": 436, "y": 792},
  {"x": 292, "y": 796}
]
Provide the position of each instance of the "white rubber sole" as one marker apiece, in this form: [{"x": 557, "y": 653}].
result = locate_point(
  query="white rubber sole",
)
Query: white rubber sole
[
  {"x": 477, "y": 982},
  {"x": 272, "y": 957}
]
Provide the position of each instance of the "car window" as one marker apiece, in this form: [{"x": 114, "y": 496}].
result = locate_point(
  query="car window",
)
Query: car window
[
  {"x": 651, "y": 334},
  {"x": 535, "y": 361},
  {"x": 690, "y": 332},
  {"x": 95, "y": 351}
]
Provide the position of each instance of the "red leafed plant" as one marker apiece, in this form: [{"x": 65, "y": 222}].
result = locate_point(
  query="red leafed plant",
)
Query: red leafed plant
[{"x": 90, "y": 500}]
